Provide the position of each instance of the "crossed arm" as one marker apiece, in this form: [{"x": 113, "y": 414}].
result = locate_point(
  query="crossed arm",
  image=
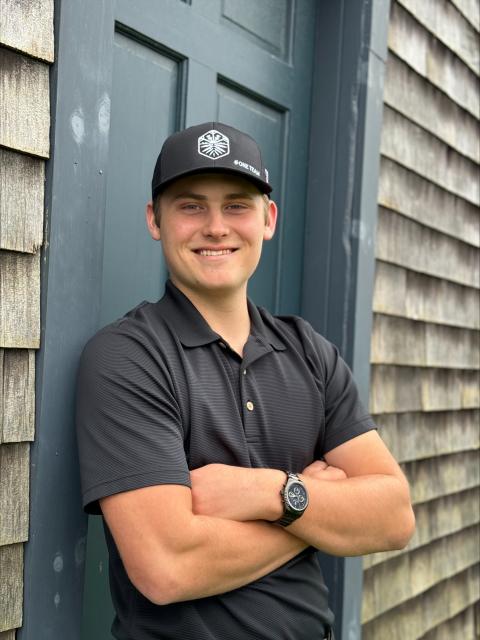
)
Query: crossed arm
[{"x": 178, "y": 544}]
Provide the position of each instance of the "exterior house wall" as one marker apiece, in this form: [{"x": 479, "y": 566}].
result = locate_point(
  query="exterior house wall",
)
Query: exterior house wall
[
  {"x": 425, "y": 342},
  {"x": 425, "y": 350},
  {"x": 26, "y": 51}
]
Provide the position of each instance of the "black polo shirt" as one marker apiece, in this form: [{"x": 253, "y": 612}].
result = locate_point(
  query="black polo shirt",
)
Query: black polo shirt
[{"x": 160, "y": 393}]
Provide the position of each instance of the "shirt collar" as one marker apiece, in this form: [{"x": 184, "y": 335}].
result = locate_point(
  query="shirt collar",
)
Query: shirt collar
[
  {"x": 193, "y": 330},
  {"x": 262, "y": 324},
  {"x": 184, "y": 318}
]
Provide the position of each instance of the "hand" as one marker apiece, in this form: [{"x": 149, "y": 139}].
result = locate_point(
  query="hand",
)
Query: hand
[
  {"x": 320, "y": 470},
  {"x": 236, "y": 493}
]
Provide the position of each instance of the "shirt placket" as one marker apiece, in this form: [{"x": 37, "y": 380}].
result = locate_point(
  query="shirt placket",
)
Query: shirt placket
[{"x": 249, "y": 393}]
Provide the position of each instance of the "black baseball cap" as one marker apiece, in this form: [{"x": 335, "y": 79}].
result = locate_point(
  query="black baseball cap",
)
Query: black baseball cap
[{"x": 209, "y": 147}]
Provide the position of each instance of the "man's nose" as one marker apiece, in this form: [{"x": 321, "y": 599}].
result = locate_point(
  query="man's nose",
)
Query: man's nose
[{"x": 215, "y": 223}]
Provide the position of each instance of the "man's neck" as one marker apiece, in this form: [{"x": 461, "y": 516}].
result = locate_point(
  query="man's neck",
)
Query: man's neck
[{"x": 227, "y": 315}]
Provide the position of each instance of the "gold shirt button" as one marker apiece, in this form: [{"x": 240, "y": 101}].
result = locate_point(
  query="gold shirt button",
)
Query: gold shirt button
[{"x": 250, "y": 405}]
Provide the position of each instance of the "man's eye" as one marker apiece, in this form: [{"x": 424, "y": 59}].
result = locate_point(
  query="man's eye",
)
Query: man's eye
[
  {"x": 236, "y": 207},
  {"x": 190, "y": 207}
]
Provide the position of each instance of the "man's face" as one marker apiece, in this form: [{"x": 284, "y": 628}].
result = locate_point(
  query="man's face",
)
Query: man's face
[{"x": 212, "y": 227}]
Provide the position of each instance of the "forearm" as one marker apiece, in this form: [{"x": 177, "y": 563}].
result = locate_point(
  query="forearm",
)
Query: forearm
[
  {"x": 345, "y": 516},
  {"x": 349, "y": 516},
  {"x": 172, "y": 554},
  {"x": 356, "y": 515},
  {"x": 224, "y": 554}
]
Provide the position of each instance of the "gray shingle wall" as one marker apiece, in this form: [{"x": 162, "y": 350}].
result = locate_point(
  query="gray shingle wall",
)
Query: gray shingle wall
[
  {"x": 26, "y": 51},
  {"x": 425, "y": 350}
]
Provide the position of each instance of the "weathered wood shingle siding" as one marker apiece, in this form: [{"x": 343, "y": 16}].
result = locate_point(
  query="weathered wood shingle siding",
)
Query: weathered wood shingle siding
[
  {"x": 26, "y": 50},
  {"x": 21, "y": 201},
  {"x": 425, "y": 349}
]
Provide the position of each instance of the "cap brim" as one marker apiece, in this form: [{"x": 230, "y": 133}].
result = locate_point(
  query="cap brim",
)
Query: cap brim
[{"x": 263, "y": 187}]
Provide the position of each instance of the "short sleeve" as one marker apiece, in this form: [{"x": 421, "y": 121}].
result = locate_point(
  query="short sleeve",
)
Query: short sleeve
[
  {"x": 129, "y": 427},
  {"x": 345, "y": 415}
]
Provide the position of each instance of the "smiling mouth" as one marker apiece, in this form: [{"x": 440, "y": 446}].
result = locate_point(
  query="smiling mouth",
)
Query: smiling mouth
[{"x": 214, "y": 252}]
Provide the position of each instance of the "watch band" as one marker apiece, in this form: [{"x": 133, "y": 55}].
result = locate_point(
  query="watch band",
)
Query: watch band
[
  {"x": 286, "y": 519},
  {"x": 292, "y": 476}
]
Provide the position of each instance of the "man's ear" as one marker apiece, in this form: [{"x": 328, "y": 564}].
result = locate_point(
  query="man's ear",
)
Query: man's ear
[
  {"x": 271, "y": 220},
  {"x": 153, "y": 228}
]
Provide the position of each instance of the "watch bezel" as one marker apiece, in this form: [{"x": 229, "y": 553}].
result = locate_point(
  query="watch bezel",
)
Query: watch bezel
[{"x": 286, "y": 498}]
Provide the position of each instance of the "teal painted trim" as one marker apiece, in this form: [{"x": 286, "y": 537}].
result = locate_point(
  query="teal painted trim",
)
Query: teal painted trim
[
  {"x": 365, "y": 230},
  {"x": 340, "y": 229},
  {"x": 70, "y": 302}
]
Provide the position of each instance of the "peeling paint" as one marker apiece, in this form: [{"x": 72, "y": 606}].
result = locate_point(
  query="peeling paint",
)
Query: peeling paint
[
  {"x": 104, "y": 115},
  {"x": 58, "y": 563},
  {"x": 79, "y": 552},
  {"x": 77, "y": 122}
]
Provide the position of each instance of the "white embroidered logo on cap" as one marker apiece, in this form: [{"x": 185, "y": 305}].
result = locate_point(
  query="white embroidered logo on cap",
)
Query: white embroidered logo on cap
[{"x": 213, "y": 144}]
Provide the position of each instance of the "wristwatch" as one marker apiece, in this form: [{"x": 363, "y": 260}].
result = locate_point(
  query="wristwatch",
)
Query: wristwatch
[{"x": 295, "y": 499}]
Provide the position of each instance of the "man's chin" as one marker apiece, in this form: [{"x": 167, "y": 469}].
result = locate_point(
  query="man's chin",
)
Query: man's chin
[{"x": 217, "y": 289}]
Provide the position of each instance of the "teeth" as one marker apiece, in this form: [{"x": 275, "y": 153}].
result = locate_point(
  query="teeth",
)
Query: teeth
[{"x": 211, "y": 252}]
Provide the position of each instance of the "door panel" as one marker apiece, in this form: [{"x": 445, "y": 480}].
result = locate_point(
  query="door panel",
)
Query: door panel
[
  {"x": 266, "y": 24},
  {"x": 176, "y": 64},
  {"x": 266, "y": 124},
  {"x": 145, "y": 92}
]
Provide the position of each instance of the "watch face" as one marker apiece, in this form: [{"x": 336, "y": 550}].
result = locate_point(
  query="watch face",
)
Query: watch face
[{"x": 297, "y": 496}]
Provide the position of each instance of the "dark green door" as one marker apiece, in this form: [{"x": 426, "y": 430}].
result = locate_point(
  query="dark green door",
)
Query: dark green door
[{"x": 247, "y": 63}]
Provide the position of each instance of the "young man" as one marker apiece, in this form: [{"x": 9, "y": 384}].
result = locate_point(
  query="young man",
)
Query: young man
[{"x": 222, "y": 445}]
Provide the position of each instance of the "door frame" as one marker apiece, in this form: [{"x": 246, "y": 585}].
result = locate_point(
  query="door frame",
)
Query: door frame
[{"x": 338, "y": 257}]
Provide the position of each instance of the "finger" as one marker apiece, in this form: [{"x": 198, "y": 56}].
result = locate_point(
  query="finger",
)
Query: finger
[{"x": 319, "y": 464}]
